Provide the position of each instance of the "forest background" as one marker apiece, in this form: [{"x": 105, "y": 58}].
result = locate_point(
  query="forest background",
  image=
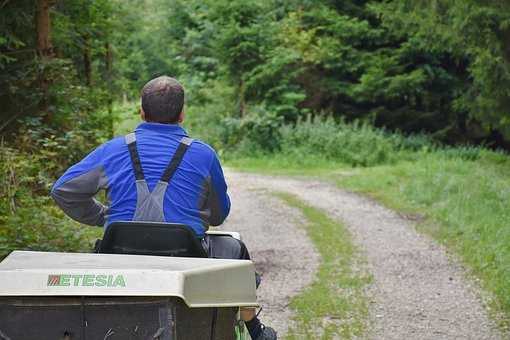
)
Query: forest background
[{"x": 412, "y": 96}]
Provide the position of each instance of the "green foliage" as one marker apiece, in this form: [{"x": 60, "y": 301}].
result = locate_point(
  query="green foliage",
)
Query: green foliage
[
  {"x": 54, "y": 111},
  {"x": 356, "y": 144},
  {"x": 28, "y": 217},
  {"x": 254, "y": 133},
  {"x": 15, "y": 39},
  {"x": 54, "y": 88},
  {"x": 466, "y": 47},
  {"x": 28, "y": 220},
  {"x": 325, "y": 139},
  {"x": 146, "y": 44},
  {"x": 437, "y": 67},
  {"x": 206, "y": 108}
]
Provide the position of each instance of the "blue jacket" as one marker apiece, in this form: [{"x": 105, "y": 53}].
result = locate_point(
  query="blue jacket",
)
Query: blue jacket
[{"x": 196, "y": 195}]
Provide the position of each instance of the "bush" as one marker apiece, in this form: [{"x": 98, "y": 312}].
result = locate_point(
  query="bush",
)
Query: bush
[
  {"x": 467, "y": 153},
  {"x": 37, "y": 155},
  {"x": 356, "y": 144},
  {"x": 319, "y": 138},
  {"x": 416, "y": 142},
  {"x": 255, "y": 133},
  {"x": 28, "y": 218}
]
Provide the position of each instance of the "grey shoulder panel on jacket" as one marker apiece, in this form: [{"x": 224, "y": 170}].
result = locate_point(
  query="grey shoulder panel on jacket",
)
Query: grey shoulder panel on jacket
[{"x": 76, "y": 197}]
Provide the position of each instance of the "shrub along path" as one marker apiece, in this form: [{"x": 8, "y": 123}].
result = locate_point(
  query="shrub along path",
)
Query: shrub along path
[{"x": 418, "y": 290}]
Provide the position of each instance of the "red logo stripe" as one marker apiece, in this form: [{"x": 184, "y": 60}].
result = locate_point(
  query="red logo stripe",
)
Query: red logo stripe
[{"x": 53, "y": 280}]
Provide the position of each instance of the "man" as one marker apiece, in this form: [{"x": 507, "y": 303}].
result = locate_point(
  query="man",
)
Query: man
[{"x": 156, "y": 174}]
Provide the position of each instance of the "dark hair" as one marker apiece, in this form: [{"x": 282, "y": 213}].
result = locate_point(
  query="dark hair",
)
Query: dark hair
[{"x": 162, "y": 100}]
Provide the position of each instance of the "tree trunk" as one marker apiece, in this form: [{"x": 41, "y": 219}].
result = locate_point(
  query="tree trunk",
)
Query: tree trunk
[
  {"x": 109, "y": 80},
  {"x": 44, "y": 50},
  {"x": 87, "y": 60},
  {"x": 242, "y": 102},
  {"x": 43, "y": 27},
  {"x": 506, "y": 45}
]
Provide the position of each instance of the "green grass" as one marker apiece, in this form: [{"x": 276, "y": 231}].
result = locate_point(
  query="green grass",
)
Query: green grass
[
  {"x": 285, "y": 165},
  {"x": 464, "y": 204},
  {"x": 335, "y": 304}
]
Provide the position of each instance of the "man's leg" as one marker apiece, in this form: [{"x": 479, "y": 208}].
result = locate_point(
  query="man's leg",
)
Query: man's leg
[{"x": 227, "y": 247}]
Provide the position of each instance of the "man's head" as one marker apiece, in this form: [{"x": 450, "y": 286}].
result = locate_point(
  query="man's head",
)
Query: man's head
[{"x": 163, "y": 101}]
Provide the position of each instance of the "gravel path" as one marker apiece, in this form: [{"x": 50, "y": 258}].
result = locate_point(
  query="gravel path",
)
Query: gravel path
[
  {"x": 283, "y": 254},
  {"x": 419, "y": 291}
]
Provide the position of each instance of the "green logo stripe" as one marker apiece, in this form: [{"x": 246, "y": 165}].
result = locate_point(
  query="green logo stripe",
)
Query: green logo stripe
[{"x": 86, "y": 280}]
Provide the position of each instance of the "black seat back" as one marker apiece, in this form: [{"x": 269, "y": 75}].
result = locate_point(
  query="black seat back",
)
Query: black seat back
[{"x": 151, "y": 238}]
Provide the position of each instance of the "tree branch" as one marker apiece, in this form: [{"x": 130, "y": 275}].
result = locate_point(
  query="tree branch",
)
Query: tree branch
[{"x": 4, "y": 3}]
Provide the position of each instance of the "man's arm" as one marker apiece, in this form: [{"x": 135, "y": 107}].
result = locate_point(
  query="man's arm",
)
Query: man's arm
[
  {"x": 74, "y": 192},
  {"x": 219, "y": 202}
]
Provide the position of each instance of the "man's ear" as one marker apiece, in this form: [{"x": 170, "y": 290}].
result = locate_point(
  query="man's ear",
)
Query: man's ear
[
  {"x": 181, "y": 117},
  {"x": 142, "y": 114}
]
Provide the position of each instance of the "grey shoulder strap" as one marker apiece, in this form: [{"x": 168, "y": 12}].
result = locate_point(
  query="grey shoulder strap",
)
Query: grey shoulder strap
[
  {"x": 135, "y": 158},
  {"x": 176, "y": 159}
]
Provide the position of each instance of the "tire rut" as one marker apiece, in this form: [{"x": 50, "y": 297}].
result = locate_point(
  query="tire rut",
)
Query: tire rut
[{"x": 277, "y": 244}]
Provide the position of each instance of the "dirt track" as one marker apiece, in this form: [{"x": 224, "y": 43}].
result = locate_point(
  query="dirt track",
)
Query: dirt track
[
  {"x": 272, "y": 233},
  {"x": 419, "y": 291}
]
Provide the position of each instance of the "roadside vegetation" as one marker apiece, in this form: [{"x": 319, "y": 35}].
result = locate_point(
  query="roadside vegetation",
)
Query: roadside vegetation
[
  {"x": 458, "y": 195},
  {"x": 334, "y": 305},
  {"x": 402, "y": 100},
  {"x": 463, "y": 203}
]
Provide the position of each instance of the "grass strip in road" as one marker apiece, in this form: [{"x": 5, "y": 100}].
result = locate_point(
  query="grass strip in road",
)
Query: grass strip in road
[{"x": 335, "y": 304}]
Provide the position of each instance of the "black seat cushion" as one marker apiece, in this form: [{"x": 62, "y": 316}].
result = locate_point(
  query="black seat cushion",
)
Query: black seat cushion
[{"x": 151, "y": 238}]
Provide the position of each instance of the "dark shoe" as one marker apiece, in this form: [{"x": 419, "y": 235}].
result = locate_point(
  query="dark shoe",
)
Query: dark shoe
[{"x": 267, "y": 334}]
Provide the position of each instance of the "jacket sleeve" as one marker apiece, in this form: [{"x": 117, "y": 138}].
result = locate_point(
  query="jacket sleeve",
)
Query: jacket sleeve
[
  {"x": 219, "y": 202},
  {"x": 74, "y": 192}
]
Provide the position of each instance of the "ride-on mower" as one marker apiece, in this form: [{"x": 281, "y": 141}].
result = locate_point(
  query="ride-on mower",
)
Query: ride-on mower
[{"x": 146, "y": 281}]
